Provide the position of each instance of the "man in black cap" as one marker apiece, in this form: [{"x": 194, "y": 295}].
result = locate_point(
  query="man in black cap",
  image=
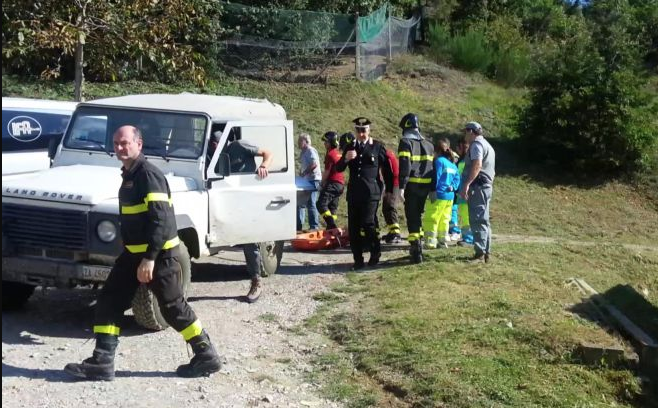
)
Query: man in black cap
[{"x": 365, "y": 158}]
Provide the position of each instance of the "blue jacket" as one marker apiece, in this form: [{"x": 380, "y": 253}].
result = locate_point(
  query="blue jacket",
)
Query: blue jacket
[{"x": 447, "y": 178}]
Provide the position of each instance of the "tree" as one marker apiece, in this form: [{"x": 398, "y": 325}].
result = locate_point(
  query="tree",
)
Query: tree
[
  {"x": 588, "y": 109},
  {"x": 163, "y": 40}
]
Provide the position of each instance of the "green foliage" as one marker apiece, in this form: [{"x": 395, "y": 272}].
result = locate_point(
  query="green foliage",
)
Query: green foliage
[
  {"x": 512, "y": 63},
  {"x": 469, "y": 51},
  {"x": 589, "y": 109},
  {"x": 440, "y": 40},
  {"x": 123, "y": 39},
  {"x": 503, "y": 52}
]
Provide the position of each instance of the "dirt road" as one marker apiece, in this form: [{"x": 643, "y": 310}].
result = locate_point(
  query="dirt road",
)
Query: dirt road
[{"x": 265, "y": 361}]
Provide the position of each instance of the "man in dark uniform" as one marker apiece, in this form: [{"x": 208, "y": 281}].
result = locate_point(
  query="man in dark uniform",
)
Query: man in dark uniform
[
  {"x": 150, "y": 237},
  {"x": 332, "y": 181},
  {"x": 365, "y": 157},
  {"x": 416, "y": 157}
]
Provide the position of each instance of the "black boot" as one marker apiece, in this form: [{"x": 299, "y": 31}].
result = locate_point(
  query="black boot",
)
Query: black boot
[
  {"x": 205, "y": 360},
  {"x": 100, "y": 366},
  {"x": 416, "y": 251},
  {"x": 375, "y": 253}
]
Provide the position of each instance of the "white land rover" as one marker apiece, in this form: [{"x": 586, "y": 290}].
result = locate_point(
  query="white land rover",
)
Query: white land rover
[{"x": 60, "y": 226}]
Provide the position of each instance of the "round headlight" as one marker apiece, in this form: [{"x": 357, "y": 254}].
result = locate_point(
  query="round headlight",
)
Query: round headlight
[{"x": 106, "y": 231}]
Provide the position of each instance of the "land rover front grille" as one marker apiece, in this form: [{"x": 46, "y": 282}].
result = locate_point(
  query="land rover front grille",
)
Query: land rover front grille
[{"x": 44, "y": 228}]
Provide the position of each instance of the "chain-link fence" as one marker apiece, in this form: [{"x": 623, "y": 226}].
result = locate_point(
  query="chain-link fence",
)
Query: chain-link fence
[{"x": 308, "y": 46}]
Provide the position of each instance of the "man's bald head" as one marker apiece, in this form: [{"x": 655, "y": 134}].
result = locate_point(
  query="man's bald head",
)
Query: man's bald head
[
  {"x": 131, "y": 130},
  {"x": 127, "y": 144}
]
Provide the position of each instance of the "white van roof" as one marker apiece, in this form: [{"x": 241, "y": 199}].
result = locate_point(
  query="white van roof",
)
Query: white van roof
[
  {"x": 219, "y": 108},
  {"x": 38, "y": 105}
]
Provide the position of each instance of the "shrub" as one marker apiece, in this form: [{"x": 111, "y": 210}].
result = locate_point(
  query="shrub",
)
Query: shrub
[
  {"x": 469, "y": 51},
  {"x": 512, "y": 61},
  {"x": 588, "y": 109},
  {"x": 439, "y": 39}
]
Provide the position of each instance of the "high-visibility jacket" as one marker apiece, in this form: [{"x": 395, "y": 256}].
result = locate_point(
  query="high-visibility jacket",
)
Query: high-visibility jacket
[
  {"x": 148, "y": 222},
  {"x": 416, "y": 157}
]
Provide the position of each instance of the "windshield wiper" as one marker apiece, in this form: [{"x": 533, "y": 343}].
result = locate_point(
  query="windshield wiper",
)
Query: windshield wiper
[{"x": 99, "y": 144}]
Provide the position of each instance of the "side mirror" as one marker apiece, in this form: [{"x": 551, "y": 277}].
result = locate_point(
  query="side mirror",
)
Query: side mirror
[
  {"x": 53, "y": 144},
  {"x": 223, "y": 167}
]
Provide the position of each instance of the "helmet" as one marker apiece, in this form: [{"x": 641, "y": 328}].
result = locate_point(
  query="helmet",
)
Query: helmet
[
  {"x": 345, "y": 140},
  {"x": 409, "y": 121},
  {"x": 331, "y": 138}
]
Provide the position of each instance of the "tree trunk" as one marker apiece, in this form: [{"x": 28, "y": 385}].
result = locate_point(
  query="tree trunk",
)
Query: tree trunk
[{"x": 79, "y": 65}]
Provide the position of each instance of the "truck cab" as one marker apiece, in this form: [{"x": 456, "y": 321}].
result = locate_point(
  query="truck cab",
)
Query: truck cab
[{"x": 60, "y": 225}]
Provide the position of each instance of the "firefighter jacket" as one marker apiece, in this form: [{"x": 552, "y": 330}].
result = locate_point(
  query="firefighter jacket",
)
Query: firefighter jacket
[
  {"x": 364, "y": 183},
  {"x": 416, "y": 156},
  {"x": 148, "y": 223}
]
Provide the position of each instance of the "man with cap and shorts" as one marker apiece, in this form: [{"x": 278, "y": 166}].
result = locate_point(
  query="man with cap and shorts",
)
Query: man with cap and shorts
[
  {"x": 477, "y": 188},
  {"x": 365, "y": 158}
]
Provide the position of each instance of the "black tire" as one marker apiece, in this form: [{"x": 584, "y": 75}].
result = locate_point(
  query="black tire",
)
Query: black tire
[
  {"x": 270, "y": 254},
  {"x": 15, "y": 294},
  {"x": 145, "y": 305}
]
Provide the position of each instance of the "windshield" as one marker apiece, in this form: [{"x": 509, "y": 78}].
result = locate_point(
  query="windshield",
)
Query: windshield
[
  {"x": 24, "y": 129},
  {"x": 165, "y": 134}
]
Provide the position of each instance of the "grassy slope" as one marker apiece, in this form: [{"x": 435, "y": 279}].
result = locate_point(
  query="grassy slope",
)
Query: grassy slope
[
  {"x": 439, "y": 334},
  {"x": 446, "y": 334}
]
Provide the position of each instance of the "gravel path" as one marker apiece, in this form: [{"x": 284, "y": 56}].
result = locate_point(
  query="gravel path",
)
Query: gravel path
[{"x": 265, "y": 361}]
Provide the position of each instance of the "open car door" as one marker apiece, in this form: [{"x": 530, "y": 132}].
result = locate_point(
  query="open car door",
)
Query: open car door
[{"x": 243, "y": 208}]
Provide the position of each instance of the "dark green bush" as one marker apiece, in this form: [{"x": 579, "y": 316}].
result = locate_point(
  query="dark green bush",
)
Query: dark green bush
[
  {"x": 589, "y": 110},
  {"x": 470, "y": 51}
]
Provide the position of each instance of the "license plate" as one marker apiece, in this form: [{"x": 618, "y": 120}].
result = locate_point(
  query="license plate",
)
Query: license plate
[{"x": 95, "y": 273}]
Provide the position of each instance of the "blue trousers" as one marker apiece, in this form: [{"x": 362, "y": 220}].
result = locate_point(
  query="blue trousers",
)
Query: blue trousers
[{"x": 311, "y": 206}]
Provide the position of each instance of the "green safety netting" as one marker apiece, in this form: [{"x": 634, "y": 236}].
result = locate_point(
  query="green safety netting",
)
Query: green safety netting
[
  {"x": 370, "y": 26},
  {"x": 263, "y": 40}
]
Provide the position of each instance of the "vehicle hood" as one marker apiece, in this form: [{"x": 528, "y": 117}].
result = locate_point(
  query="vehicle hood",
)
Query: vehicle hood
[{"x": 79, "y": 184}]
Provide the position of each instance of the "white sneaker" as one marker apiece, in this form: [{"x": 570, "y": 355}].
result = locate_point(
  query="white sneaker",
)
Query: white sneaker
[{"x": 455, "y": 237}]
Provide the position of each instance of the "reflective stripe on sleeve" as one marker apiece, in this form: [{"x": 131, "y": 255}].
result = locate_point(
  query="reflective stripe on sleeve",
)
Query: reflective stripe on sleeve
[
  {"x": 157, "y": 197},
  {"x": 142, "y": 208},
  {"x": 134, "y": 209}
]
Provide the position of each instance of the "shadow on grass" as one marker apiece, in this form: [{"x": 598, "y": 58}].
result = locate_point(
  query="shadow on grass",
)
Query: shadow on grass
[
  {"x": 515, "y": 159},
  {"x": 641, "y": 313}
]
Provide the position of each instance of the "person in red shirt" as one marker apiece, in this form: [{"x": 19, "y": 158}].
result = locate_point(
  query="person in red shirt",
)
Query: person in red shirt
[
  {"x": 333, "y": 182},
  {"x": 389, "y": 203}
]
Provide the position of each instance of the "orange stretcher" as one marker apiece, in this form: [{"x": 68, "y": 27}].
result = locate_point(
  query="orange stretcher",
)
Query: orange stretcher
[{"x": 322, "y": 239}]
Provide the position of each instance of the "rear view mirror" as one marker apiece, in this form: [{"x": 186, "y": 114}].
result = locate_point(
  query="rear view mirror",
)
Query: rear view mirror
[{"x": 53, "y": 144}]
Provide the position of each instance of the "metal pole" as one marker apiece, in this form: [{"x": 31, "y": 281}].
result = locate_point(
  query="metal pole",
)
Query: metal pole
[{"x": 357, "y": 53}]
